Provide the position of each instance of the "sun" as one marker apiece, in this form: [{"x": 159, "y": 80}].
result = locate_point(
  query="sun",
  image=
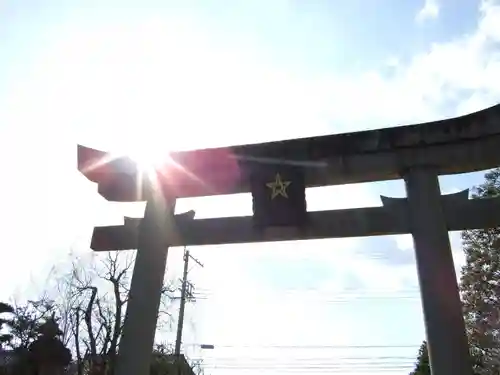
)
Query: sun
[
  {"x": 157, "y": 163},
  {"x": 148, "y": 158},
  {"x": 152, "y": 154}
]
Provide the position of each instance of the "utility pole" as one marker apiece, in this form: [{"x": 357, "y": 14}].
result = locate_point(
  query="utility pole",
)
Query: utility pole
[{"x": 184, "y": 289}]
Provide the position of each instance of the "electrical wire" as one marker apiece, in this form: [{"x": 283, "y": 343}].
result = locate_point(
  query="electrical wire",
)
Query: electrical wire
[
  {"x": 317, "y": 370},
  {"x": 316, "y": 365},
  {"x": 315, "y": 290},
  {"x": 338, "y": 300},
  {"x": 312, "y": 363},
  {"x": 309, "y": 346},
  {"x": 361, "y": 365},
  {"x": 333, "y": 299},
  {"x": 383, "y": 292},
  {"x": 279, "y": 359},
  {"x": 323, "y": 358},
  {"x": 318, "y": 362}
]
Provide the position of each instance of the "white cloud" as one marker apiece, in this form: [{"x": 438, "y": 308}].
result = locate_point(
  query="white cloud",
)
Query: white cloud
[
  {"x": 430, "y": 10},
  {"x": 488, "y": 27}
]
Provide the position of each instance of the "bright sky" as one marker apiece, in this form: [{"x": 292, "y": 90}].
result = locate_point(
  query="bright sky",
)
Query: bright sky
[{"x": 152, "y": 75}]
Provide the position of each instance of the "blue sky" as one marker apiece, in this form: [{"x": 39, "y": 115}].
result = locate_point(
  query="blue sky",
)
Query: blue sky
[{"x": 203, "y": 73}]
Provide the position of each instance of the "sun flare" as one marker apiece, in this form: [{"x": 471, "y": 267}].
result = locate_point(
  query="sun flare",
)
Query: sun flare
[{"x": 149, "y": 158}]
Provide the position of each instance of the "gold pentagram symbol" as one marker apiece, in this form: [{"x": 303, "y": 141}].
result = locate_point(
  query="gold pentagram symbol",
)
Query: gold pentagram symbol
[{"x": 278, "y": 187}]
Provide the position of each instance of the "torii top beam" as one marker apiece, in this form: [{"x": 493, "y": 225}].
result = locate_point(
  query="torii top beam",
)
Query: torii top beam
[{"x": 457, "y": 145}]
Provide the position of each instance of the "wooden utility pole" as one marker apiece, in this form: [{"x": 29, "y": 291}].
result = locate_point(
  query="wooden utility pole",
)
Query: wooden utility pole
[{"x": 184, "y": 287}]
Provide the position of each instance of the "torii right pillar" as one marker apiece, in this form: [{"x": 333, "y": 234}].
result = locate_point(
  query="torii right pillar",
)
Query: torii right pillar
[{"x": 445, "y": 328}]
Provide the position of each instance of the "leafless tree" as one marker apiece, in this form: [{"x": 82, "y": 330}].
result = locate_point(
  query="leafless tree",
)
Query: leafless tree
[{"x": 91, "y": 301}]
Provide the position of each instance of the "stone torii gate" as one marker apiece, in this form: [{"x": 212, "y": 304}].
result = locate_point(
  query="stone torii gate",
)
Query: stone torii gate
[{"x": 417, "y": 153}]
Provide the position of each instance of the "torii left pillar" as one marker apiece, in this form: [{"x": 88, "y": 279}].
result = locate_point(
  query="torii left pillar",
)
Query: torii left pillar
[{"x": 157, "y": 227}]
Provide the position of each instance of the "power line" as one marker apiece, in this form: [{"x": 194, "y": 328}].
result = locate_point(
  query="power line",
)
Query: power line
[
  {"x": 317, "y": 363},
  {"x": 386, "y": 370},
  {"x": 317, "y": 368},
  {"x": 319, "y": 294},
  {"x": 319, "y": 359},
  {"x": 338, "y": 300},
  {"x": 349, "y": 363},
  {"x": 309, "y": 363},
  {"x": 356, "y": 347},
  {"x": 367, "y": 366},
  {"x": 316, "y": 291},
  {"x": 347, "y": 291},
  {"x": 324, "y": 297}
]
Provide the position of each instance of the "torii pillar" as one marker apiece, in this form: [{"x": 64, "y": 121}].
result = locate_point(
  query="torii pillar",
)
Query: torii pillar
[
  {"x": 442, "y": 308},
  {"x": 120, "y": 180},
  {"x": 144, "y": 298}
]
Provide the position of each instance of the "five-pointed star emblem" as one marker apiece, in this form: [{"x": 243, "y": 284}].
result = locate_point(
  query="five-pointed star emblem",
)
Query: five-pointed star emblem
[{"x": 279, "y": 187}]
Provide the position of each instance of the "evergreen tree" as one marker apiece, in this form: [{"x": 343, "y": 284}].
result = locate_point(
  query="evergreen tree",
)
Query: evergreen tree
[
  {"x": 480, "y": 285},
  {"x": 422, "y": 367}
]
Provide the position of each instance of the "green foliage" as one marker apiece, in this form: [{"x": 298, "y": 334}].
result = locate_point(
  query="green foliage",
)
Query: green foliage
[
  {"x": 480, "y": 285},
  {"x": 23, "y": 329},
  {"x": 26, "y": 322},
  {"x": 5, "y": 338},
  {"x": 48, "y": 347},
  {"x": 5, "y": 308},
  {"x": 162, "y": 363},
  {"x": 422, "y": 367},
  {"x": 35, "y": 339}
]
